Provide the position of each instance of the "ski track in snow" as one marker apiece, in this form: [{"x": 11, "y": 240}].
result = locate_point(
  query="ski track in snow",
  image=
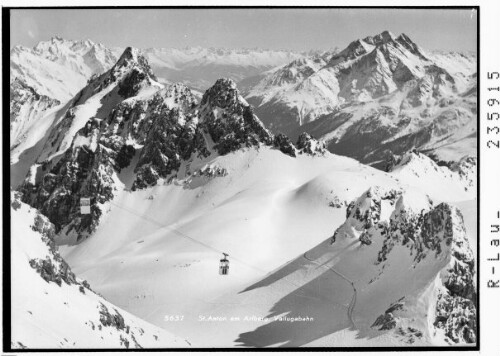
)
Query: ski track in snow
[{"x": 352, "y": 303}]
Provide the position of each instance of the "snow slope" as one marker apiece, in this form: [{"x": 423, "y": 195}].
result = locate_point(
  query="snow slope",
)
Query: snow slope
[
  {"x": 54, "y": 309},
  {"x": 254, "y": 213},
  {"x": 268, "y": 209},
  {"x": 452, "y": 185},
  {"x": 339, "y": 294}
]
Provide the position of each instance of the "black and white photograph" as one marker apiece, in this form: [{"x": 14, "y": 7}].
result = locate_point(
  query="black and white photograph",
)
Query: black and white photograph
[{"x": 186, "y": 178}]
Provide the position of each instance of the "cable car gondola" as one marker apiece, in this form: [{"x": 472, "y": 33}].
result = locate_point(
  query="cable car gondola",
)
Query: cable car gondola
[
  {"x": 84, "y": 206},
  {"x": 224, "y": 265}
]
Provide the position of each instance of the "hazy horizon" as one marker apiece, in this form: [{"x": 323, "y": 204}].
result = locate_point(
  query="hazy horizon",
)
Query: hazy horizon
[{"x": 275, "y": 28}]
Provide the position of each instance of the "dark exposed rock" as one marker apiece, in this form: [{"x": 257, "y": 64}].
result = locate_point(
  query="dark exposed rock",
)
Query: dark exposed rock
[
  {"x": 111, "y": 319},
  {"x": 438, "y": 230},
  {"x": 387, "y": 321},
  {"x": 285, "y": 145},
  {"x": 124, "y": 156},
  {"x": 211, "y": 172},
  {"x": 308, "y": 144},
  {"x": 457, "y": 317},
  {"x": 365, "y": 238},
  {"x": 54, "y": 270},
  {"x": 16, "y": 201},
  {"x": 229, "y": 120},
  {"x": 168, "y": 144}
]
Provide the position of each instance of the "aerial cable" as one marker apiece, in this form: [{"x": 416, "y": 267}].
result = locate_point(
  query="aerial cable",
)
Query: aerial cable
[{"x": 192, "y": 239}]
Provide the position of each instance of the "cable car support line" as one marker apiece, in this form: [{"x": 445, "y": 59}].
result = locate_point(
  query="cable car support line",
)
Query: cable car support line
[{"x": 180, "y": 233}]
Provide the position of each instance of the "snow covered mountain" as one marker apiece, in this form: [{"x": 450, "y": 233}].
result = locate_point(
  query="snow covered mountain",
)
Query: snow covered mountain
[
  {"x": 55, "y": 70},
  {"x": 52, "y": 308},
  {"x": 198, "y": 68},
  {"x": 59, "y": 68},
  {"x": 47, "y": 75},
  {"x": 125, "y": 117},
  {"x": 26, "y": 106},
  {"x": 381, "y": 95},
  {"x": 174, "y": 183}
]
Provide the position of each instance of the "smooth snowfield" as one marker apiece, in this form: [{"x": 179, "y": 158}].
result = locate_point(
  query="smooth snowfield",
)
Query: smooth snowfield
[
  {"x": 157, "y": 250},
  {"x": 45, "y": 315}
]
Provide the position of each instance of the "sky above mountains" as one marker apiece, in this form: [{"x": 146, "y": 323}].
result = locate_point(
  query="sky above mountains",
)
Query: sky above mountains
[{"x": 274, "y": 28}]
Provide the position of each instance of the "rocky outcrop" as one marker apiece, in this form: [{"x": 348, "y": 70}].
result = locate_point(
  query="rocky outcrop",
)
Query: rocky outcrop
[
  {"x": 388, "y": 320},
  {"x": 308, "y": 144},
  {"x": 173, "y": 138},
  {"x": 229, "y": 120},
  {"x": 431, "y": 234},
  {"x": 457, "y": 317},
  {"x": 53, "y": 268},
  {"x": 285, "y": 145},
  {"x": 441, "y": 232}
]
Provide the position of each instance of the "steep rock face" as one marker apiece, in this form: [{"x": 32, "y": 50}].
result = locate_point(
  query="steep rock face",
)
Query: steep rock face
[
  {"x": 67, "y": 312},
  {"x": 381, "y": 95},
  {"x": 229, "y": 119},
  {"x": 222, "y": 123},
  {"x": 407, "y": 226},
  {"x": 99, "y": 151},
  {"x": 174, "y": 137},
  {"x": 124, "y": 117},
  {"x": 86, "y": 163},
  {"x": 26, "y": 106},
  {"x": 440, "y": 232},
  {"x": 124, "y": 80},
  {"x": 85, "y": 170}
]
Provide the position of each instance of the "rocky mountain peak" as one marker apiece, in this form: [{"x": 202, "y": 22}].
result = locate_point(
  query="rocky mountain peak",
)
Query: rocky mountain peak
[
  {"x": 222, "y": 94},
  {"x": 380, "y": 39},
  {"x": 411, "y": 46},
  {"x": 129, "y": 55},
  {"x": 133, "y": 58}
]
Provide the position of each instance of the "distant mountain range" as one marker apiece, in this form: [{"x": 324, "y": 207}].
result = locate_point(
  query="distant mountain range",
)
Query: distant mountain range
[{"x": 381, "y": 95}]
